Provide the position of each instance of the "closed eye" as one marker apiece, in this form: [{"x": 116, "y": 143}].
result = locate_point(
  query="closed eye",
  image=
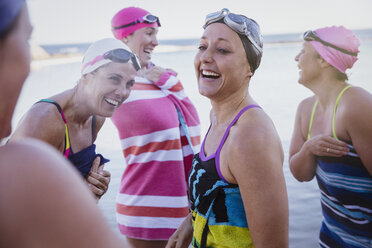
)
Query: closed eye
[
  {"x": 223, "y": 51},
  {"x": 115, "y": 79},
  {"x": 130, "y": 83}
]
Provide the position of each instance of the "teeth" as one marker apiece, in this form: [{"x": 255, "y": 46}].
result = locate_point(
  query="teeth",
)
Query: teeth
[
  {"x": 210, "y": 73},
  {"x": 113, "y": 102}
]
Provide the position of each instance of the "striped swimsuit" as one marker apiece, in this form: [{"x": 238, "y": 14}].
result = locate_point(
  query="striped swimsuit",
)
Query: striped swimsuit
[
  {"x": 346, "y": 196},
  {"x": 152, "y": 200},
  {"x": 219, "y": 218}
]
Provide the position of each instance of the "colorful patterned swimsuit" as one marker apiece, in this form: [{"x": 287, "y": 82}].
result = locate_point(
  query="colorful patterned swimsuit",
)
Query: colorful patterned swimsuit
[
  {"x": 219, "y": 218},
  {"x": 346, "y": 196},
  {"x": 83, "y": 160}
]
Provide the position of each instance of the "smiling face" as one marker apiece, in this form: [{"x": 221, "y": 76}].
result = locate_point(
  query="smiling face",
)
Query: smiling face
[
  {"x": 14, "y": 68},
  {"x": 109, "y": 86},
  {"x": 142, "y": 42},
  {"x": 221, "y": 64},
  {"x": 308, "y": 63}
]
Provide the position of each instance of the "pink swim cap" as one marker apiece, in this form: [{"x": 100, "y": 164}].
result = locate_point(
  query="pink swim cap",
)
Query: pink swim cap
[
  {"x": 126, "y": 16},
  {"x": 340, "y": 37}
]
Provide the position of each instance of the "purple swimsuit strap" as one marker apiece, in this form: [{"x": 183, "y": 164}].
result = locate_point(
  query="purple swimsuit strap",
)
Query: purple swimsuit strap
[{"x": 216, "y": 155}]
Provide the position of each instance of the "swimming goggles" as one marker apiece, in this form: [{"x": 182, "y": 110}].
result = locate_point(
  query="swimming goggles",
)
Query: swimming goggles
[
  {"x": 312, "y": 36},
  {"x": 118, "y": 55},
  {"x": 240, "y": 24},
  {"x": 145, "y": 19}
]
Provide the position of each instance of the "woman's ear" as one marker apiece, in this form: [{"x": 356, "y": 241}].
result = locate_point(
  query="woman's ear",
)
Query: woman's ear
[
  {"x": 323, "y": 63},
  {"x": 248, "y": 72},
  {"x": 84, "y": 78}
]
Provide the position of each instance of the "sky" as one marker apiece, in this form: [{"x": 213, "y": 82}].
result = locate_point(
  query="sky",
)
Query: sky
[{"x": 82, "y": 21}]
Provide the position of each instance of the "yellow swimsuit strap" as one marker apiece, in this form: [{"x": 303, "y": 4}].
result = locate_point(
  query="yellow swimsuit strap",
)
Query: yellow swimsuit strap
[
  {"x": 334, "y": 111},
  {"x": 334, "y": 114},
  {"x": 67, "y": 138},
  {"x": 312, "y": 119}
]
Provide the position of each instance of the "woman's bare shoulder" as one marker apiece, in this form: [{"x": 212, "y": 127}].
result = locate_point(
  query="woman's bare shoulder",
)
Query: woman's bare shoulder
[
  {"x": 43, "y": 121},
  {"x": 256, "y": 130},
  {"x": 45, "y": 195}
]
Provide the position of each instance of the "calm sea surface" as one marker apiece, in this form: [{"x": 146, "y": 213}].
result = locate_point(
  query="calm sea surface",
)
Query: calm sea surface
[{"x": 275, "y": 88}]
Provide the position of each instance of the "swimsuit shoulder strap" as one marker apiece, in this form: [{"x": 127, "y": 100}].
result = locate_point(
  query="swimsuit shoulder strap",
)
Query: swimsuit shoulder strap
[
  {"x": 312, "y": 119},
  {"x": 217, "y": 154},
  {"x": 67, "y": 149},
  {"x": 334, "y": 114},
  {"x": 232, "y": 123},
  {"x": 334, "y": 111},
  {"x": 93, "y": 127},
  {"x": 55, "y": 104}
]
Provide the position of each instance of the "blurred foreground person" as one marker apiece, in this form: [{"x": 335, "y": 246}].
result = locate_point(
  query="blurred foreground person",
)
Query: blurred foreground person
[{"x": 44, "y": 202}]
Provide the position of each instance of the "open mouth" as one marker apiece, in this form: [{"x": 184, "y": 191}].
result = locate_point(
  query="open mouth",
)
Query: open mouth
[
  {"x": 147, "y": 51},
  {"x": 112, "y": 102},
  {"x": 210, "y": 74}
]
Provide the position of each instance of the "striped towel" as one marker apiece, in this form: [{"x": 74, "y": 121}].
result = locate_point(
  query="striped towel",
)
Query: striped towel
[{"x": 152, "y": 200}]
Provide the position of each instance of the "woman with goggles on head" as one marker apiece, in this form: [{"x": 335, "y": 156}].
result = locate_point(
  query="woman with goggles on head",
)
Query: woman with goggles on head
[
  {"x": 71, "y": 120},
  {"x": 159, "y": 130},
  {"x": 332, "y": 137},
  {"x": 44, "y": 202},
  {"x": 237, "y": 190}
]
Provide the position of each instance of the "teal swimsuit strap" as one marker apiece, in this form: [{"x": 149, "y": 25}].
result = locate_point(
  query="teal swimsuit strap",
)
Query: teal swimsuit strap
[{"x": 334, "y": 114}]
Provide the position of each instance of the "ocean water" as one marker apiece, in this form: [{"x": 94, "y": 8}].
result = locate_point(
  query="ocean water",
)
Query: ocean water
[{"x": 274, "y": 86}]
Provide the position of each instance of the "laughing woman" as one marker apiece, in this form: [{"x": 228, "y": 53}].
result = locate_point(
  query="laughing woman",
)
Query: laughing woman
[
  {"x": 332, "y": 137},
  {"x": 159, "y": 130},
  {"x": 237, "y": 190},
  {"x": 71, "y": 120}
]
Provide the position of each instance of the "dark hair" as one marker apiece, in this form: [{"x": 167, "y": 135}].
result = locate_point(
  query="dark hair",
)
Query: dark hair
[
  {"x": 254, "y": 58},
  {"x": 10, "y": 28},
  {"x": 340, "y": 75},
  {"x": 253, "y": 55}
]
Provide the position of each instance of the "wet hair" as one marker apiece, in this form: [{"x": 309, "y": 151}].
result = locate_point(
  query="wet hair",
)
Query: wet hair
[{"x": 340, "y": 75}]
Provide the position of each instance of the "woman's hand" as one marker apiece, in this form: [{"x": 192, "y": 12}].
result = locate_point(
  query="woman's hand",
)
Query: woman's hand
[
  {"x": 98, "y": 179},
  {"x": 182, "y": 237},
  {"x": 325, "y": 145},
  {"x": 154, "y": 73}
]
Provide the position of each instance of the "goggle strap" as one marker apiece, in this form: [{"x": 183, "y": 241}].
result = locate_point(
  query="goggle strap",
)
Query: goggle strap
[
  {"x": 143, "y": 20},
  {"x": 315, "y": 37}
]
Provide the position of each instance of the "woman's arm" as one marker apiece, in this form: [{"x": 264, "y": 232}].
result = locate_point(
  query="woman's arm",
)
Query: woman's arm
[
  {"x": 359, "y": 123},
  {"x": 302, "y": 152},
  {"x": 301, "y": 161},
  {"x": 182, "y": 237},
  {"x": 42, "y": 122},
  {"x": 256, "y": 164}
]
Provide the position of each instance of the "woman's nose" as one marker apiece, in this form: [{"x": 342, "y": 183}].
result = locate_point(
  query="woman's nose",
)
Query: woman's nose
[
  {"x": 206, "y": 56},
  {"x": 296, "y": 58}
]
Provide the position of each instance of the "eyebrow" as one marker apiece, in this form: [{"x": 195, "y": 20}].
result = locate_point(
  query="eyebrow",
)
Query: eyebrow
[
  {"x": 115, "y": 74},
  {"x": 152, "y": 28},
  {"x": 219, "y": 39}
]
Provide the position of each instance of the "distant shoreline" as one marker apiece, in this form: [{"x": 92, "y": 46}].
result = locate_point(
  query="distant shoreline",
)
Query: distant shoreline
[{"x": 67, "y": 53}]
